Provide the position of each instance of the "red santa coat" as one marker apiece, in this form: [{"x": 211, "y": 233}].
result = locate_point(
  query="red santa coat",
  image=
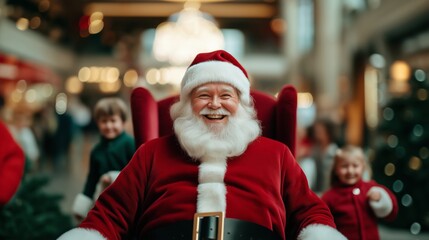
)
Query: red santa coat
[
  {"x": 12, "y": 162},
  {"x": 265, "y": 185},
  {"x": 354, "y": 215}
]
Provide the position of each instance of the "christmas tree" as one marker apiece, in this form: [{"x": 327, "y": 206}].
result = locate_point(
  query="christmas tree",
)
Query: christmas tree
[
  {"x": 33, "y": 213},
  {"x": 401, "y": 159}
]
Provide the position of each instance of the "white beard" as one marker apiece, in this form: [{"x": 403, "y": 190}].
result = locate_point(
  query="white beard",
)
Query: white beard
[
  {"x": 217, "y": 141},
  {"x": 212, "y": 145}
]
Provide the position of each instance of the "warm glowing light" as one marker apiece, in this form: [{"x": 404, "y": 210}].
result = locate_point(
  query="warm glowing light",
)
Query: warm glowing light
[
  {"x": 21, "y": 86},
  {"x": 172, "y": 75},
  {"x": 35, "y": 22},
  {"x": 44, "y": 5},
  {"x": 415, "y": 163},
  {"x": 389, "y": 169},
  {"x": 95, "y": 74},
  {"x": 186, "y": 34},
  {"x": 31, "y": 96},
  {"x": 84, "y": 74},
  {"x": 98, "y": 74},
  {"x": 371, "y": 96},
  {"x": 110, "y": 87},
  {"x": 46, "y": 90},
  {"x": 96, "y": 26},
  {"x": 400, "y": 71},
  {"x": 73, "y": 85},
  {"x": 16, "y": 96},
  {"x": 22, "y": 24},
  {"x": 61, "y": 103},
  {"x": 277, "y": 25},
  {"x": 112, "y": 74},
  {"x": 130, "y": 78},
  {"x": 305, "y": 100},
  {"x": 96, "y": 16},
  {"x": 153, "y": 76}
]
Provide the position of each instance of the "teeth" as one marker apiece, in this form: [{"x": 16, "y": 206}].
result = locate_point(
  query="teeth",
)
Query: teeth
[{"x": 216, "y": 116}]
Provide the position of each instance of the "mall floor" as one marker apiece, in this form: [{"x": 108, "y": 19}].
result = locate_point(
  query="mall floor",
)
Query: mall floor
[{"x": 68, "y": 179}]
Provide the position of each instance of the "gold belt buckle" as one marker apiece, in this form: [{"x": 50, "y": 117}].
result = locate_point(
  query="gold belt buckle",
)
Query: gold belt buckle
[{"x": 220, "y": 224}]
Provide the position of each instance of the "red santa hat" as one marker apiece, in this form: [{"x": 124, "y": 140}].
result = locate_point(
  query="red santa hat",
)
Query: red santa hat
[{"x": 216, "y": 66}]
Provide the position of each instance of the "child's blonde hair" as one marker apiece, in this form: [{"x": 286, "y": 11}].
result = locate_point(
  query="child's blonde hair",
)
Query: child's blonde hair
[
  {"x": 348, "y": 151},
  {"x": 110, "y": 106}
]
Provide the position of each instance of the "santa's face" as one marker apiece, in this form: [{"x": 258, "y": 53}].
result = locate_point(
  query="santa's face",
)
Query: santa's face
[{"x": 215, "y": 103}]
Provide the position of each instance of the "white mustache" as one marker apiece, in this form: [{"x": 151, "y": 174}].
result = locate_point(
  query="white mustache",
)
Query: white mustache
[{"x": 220, "y": 111}]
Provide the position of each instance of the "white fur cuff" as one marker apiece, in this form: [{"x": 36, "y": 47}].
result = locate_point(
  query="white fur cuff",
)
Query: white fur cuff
[
  {"x": 320, "y": 232},
  {"x": 82, "y": 234},
  {"x": 384, "y": 206},
  {"x": 82, "y": 204}
]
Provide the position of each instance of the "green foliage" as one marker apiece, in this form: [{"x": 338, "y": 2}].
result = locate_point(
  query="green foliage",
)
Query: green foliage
[
  {"x": 401, "y": 160},
  {"x": 33, "y": 213}
]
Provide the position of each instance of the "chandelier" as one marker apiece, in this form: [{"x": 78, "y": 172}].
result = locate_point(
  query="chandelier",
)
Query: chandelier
[{"x": 186, "y": 34}]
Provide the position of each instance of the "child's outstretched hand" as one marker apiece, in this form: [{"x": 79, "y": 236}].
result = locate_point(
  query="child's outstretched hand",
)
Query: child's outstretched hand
[
  {"x": 374, "y": 195},
  {"x": 105, "y": 180}
]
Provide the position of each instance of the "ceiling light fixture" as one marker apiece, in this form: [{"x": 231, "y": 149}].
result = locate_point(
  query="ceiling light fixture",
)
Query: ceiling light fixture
[{"x": 186, "y": 34}]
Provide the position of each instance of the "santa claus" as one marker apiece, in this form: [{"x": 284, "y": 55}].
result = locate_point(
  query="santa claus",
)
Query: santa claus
[
  {"x": 216, "y": 173},
  {"x": 12, "y": 163}
]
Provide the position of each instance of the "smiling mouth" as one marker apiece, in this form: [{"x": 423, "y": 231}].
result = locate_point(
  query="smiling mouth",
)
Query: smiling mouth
[{"x": 214, "y": 116}]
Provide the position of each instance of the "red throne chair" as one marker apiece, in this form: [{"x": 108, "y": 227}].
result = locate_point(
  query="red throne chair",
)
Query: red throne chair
[{"x": 151, "y": 118}]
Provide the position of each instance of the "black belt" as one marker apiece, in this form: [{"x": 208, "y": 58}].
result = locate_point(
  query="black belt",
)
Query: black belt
[{"x": 234, "y": 229}]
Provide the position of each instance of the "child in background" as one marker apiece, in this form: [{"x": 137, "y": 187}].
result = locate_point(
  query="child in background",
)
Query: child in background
[
  {"x": 356, "y": 205},
  {"x": 109, "y": 156}
]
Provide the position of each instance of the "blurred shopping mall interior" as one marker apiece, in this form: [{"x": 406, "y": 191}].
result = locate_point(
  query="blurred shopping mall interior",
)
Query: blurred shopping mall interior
[{"x": 362, "y": 64}]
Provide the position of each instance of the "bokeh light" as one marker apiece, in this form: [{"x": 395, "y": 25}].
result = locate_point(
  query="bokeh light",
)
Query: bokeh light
[
  {"x": 61, "y": 103},
  {"x": 415, "y": 228},
  {"x": 418, "y": 130},
  {"x": 398, "y": 185},
  {"x": 400, "y": 71},
  {"x": 392, "y": 141},
  {"x": 130, "y": 78},
  {"x": 22, "y": 24},
  {"x": 422, "y": 94},
  {"x": 388, "y": 114},
  {"x": 406, "y": 200},
  {"x": 420, "y": 75},
  {"x": 389, "y": 169},
  {"x": 415, "y": 163},
  {"x": 424, "y": 152}
]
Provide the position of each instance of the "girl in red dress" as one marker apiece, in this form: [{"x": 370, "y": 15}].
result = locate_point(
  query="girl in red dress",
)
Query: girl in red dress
[{"x": 356, "y": 205}]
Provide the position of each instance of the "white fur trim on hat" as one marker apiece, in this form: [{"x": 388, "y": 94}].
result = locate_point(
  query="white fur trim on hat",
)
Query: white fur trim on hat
[
  {"x": 82, "y": 204},
  {"x": 384, "y": 206},
  {"x": 82, "y": 234},
  {"x": 320, "y": 232},
  {"x": 211, "y": 188},
  {"x": 215, "y": 71}
]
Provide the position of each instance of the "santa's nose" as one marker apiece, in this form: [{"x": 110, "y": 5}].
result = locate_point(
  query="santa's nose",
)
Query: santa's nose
[{"x": 214, "y": 103}]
